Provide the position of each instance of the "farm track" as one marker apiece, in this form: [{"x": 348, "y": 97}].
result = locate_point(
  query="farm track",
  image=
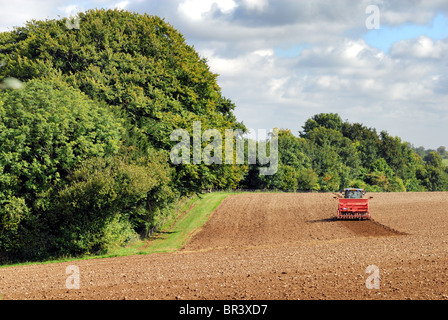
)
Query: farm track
[{"x": 273, "y": 246}]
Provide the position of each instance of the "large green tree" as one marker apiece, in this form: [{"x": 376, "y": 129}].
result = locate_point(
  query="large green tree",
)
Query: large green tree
[
  {"x": 85, "y": 144},
  {"x": 137, "y": 62}
]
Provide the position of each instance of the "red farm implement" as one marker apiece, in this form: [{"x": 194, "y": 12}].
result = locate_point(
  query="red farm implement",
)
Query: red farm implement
[{"x": 353, "y": 206}]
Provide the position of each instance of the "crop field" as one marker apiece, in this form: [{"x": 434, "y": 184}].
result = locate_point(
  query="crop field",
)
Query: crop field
[{"x": 276, "y": 246}]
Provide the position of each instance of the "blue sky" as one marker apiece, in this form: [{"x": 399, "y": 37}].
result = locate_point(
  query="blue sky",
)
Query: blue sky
[
  {"x": 386, "y": 36},
  {"x": 283, "y": 61}
]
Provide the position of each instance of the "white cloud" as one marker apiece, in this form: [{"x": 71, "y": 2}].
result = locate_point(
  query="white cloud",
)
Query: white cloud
[
  {"x": 121, "y": 5},
  {"x": 70, "y": 10},
  {"x": 197, "y": 9},
  {"x": 16, "y": 13},
  {"x": 417, "y": 11},
  {"x": 255, "y": 5},
  {"x": 352, "y": 49},
  {"x": 422, "y": 47}
]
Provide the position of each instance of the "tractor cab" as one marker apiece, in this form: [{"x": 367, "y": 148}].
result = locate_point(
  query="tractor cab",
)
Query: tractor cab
[{"x": 353, "y": 193}]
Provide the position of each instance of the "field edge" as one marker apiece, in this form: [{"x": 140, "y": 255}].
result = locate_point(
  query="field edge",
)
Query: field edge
[{"x": 188, "y": 223}]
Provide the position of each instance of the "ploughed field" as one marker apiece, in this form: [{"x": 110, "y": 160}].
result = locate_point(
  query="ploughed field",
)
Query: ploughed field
[{"x": 273, "y": 246}]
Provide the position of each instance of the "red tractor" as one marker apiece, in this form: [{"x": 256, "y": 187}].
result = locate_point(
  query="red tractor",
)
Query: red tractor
[{"x": 353, "y": 206}]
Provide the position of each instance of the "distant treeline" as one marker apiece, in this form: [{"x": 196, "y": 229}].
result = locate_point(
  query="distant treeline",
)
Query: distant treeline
[
  {"x": 330, "y": 154},
  {"x": 422, "y": 152},
  {"x": 85, "y": 121}
]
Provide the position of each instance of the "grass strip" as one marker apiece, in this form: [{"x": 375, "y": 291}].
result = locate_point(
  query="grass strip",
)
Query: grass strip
[{"x": 188, "y": 225}]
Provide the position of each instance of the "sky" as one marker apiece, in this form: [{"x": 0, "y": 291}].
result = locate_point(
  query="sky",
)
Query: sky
[{"x": 380, "y": 63}]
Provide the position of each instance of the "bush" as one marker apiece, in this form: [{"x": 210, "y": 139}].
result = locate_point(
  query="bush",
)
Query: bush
[
  {"x": 308, "y": 180},
  {"x": 47, "y": 129},
  {"x": 360, "y": 184},
  {"x": 396, "y": 185},
  {"x": 96, "y": 209}
]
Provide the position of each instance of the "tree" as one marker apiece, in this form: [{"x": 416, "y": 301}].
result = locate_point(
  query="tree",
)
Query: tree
[
  {"x": 292, "y": 151},
  {"x": 366, "y": 140},
  {"x": 333, "y": 156},
  {"x": 433, "y": 159},
  {"x": 435, "y": 176},
  {"x": 442, "y": 152},
  {"x": 391, "y": 149},
  {"x": 380, "y": 165},
  {"x": 420, "y": 151},
  {"x": 436, "y": 179},
  {"x": 327, "y": 120},
  {"x": 137, "y": 62},
  {"x": 308, "y": 180},
  {"x": 47, "y": 130}
]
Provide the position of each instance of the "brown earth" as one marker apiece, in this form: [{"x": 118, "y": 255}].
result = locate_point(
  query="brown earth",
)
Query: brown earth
[{"x": 273, "y": 246}]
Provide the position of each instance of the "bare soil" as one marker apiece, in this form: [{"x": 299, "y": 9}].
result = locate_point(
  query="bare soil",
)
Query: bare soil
[{"x": 273, "y": 246}]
